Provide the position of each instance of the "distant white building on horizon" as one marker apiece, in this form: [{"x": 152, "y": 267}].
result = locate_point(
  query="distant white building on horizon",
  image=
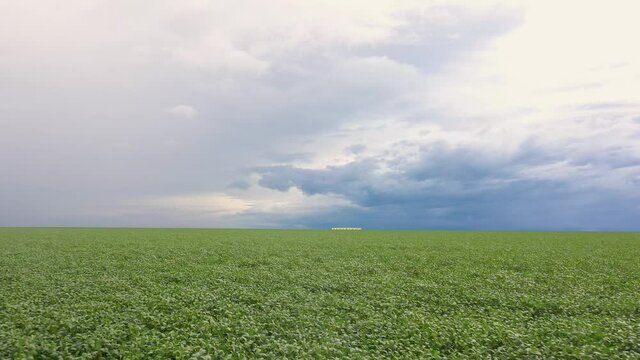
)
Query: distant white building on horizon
[{"x": 346, "y": 228}]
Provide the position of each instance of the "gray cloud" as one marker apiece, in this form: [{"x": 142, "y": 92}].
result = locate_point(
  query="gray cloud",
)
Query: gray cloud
[
  {"x": 355, "y": 149},
  {"x": 241, "y": 185},
  {"x": 466, "y": 188}
]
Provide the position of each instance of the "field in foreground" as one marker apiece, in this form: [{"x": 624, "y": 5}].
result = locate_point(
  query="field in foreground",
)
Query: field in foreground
[{"x": 159, "y": 293}]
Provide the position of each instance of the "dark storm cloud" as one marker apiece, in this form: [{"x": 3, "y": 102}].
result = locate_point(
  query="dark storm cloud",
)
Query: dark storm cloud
[
  {"x": 439, "y": 172},
  {"x": 461, "y": 188},
  {"x": 524, "y": 207}
]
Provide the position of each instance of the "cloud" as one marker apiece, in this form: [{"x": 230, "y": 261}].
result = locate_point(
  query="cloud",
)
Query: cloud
[
  {"x": 185, "y": 111},
  {"x": 464, "y": 188},
  {"x": 445, "y": 114},
  {"x": 355, "y": 149},
  {"x": 241, "y": 185},
  {"x": 200, "y": 204}
]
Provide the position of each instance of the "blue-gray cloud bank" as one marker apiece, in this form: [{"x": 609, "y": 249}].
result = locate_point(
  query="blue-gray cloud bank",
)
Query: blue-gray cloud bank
[{"x": 457, "y": 190}]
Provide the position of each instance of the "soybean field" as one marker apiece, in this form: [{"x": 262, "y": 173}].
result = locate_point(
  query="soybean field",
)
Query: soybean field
[{"x": 217, "y": 294}]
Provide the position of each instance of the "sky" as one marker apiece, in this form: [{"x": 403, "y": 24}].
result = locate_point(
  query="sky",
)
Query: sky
[{"x": 514, "y": 115}]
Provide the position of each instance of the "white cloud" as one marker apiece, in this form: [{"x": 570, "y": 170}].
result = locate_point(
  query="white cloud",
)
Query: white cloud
[
  {"x": 201, "y": 205},
  {"x": 235, "y": 209},
  {"x": 557, "y": 78},
  {"x": 185, "y": 111}
]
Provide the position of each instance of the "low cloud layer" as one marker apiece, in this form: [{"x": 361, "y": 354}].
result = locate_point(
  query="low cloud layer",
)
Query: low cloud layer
[{"x": 381, "y": 114}]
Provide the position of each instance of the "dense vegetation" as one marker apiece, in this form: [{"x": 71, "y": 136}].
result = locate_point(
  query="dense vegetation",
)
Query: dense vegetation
[{"x": 158, "y": 293}]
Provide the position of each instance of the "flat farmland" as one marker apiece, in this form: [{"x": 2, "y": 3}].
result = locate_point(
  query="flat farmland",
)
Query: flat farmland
[{"x": 191, "y": 293}]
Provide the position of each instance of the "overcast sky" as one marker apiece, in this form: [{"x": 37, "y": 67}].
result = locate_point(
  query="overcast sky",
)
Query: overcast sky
[{"x": 381, "y": 114}]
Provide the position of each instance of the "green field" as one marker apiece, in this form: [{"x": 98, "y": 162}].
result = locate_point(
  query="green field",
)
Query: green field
[{"x": 159, "y": 293}]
